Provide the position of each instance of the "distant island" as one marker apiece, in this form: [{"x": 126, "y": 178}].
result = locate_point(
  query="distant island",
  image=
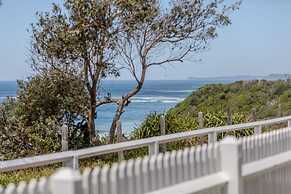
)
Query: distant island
[{"x": 245, "y": 77}]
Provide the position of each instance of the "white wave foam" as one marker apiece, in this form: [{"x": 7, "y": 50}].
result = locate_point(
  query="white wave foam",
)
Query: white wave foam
[
  {"x": 175, "y": 91},
  {"x": 155, "y": 99}
]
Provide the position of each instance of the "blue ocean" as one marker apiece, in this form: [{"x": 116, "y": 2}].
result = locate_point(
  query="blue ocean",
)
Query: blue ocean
[{"x": 156, "y": 96}]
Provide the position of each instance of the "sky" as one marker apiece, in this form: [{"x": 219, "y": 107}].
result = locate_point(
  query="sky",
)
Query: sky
[{"x": 257, "y": 43}]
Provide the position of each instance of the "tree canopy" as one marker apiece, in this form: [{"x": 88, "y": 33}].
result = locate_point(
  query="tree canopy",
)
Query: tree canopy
[
  {"x": 95, "y": 39},
  {"x": 79, "y": 37}
]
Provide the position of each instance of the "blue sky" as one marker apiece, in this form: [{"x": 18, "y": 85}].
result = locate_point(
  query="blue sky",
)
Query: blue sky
[{"x": 257, "y": 43}]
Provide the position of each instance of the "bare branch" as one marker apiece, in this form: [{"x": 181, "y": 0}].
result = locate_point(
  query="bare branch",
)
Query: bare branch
[{"x": 175, "y": 59}]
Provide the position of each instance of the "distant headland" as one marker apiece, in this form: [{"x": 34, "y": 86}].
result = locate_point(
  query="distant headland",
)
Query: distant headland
[{"x": 246, "y": 77}]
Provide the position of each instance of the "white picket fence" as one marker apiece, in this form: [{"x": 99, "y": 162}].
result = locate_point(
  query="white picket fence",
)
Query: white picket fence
[
  {"x": 259, "y": 164},
  {"x": 71, "y": 158}
]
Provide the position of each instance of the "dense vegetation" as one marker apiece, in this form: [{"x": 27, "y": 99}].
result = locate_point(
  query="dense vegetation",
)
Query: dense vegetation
[
  {"x": 264, "y": 98},
  {"x": 30, "y": 124}
]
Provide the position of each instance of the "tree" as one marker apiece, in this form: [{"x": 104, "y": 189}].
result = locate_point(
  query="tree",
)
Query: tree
[
  {"x": 95, "y": 39},
  {"x": 53, "y": 94},
  {"x": 79, "y": 37},
  {"x": 30, "y": 124},
  {"x": 156, "y": 35},
  {"x": 18, "y": 140}
]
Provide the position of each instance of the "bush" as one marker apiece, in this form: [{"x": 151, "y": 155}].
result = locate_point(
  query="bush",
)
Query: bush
[
  {"x": 18, "y": 140},
  {"x": 176, "y": 123}
]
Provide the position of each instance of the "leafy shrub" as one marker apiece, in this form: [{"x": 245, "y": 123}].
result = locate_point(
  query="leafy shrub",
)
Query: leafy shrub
[
  {"x": 18, "y": 140},
  {"x": 176, "y": 123}
]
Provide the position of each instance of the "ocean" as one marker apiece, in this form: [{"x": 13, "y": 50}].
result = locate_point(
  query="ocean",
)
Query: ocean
[{"x": 156, "y": 96}]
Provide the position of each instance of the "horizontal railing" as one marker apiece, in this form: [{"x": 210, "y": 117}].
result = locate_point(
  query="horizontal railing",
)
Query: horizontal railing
[
  {"x": 196, "y": 185},
  {"x": 71, "y": 158}
]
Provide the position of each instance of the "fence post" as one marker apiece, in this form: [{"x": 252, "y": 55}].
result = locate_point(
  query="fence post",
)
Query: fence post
[
  {"x": 66, "y": 181},
  {"x": 64, "y": 131},
  {"x": 254, "y": 114},
  {"x": 229, "y": 116},
  {"x": 163, "y": 131},
  {"x": 258, "y": 130},
  {"x": 230, "y": 148},
  {"x": 72, "y": 163},
  {"x": 119, "y": 139},
  {"x": 280, "y": 112},
  {"x": 212, "y": 137},
  {"x": 200, "y": 120},
  {"x": 289, "y": 123},
  {"x": 154, "y": 149}
]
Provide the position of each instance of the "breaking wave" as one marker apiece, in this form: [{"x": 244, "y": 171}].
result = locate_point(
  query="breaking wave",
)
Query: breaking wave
[{"x": 156, "y": 99}]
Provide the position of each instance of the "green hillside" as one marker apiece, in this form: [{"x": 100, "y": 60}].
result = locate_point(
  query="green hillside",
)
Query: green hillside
[{"x": 265, "y": 98}]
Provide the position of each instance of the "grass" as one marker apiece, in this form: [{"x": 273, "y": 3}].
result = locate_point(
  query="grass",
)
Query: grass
[
  {"x": 38, "y": 172},
  {"x": 27, "y": 174}
]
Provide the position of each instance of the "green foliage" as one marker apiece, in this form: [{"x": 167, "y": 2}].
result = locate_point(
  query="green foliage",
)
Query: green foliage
[
  {"x": 53, "y": 94},
  {"x": 18, "y": 140},
  {"x": 30, "y": 124},
  {"x": 176, "y": 123},
  {"x": 266, "y": 97},
  {"x": 151, "y": 126}
]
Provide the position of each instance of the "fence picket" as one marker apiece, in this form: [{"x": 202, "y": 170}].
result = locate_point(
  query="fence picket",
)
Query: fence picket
[
  {"x": 105, "y": 187},
  {"x": 43, "y": 186},
  {"x": 173, "y": 167},
  {"x": 211, "y": 159},
  {"x": 167, "y": 169},
  {"x": 122, "y": 178},
  {"x": 186, "y": 164},
  {"x": 32, "y": 187},
  {"x": 10, "y": 189},
  {"x": 192, "y": 164},
  {"x": 22, "y": 188},
  {"x": 131, "y": 177},
  {"x": 96, "y": 180},
  {"x": 179, "y": 169},
  {"x": 153, "y": 173},
  {"x": 145, "y": 174},
  {"x": 138, "y": 175},
  {"x": 204, "y": 160},
  {"x": 86, "y": 176},
  {"x": 198, "y": 162},
  {"x": 114, "y": 181},
  {"x": 160, "y": 171}
]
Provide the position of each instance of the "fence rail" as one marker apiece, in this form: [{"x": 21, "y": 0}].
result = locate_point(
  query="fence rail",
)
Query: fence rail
[
  {"x": 71, "y": 158},
  {"x": 258, "y": 164}
]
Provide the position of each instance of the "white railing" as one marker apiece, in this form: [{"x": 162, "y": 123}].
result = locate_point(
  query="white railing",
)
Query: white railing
[
  {"x": 71, "y": 158},
  {"x": 260, "y": 164}
]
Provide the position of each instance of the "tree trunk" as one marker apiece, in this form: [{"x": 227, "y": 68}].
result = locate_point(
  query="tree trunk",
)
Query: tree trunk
[
  {"x": 116, "y": 118},
  {"x": 124, "y": 102},
  {"x": 91, "y": 117}
]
